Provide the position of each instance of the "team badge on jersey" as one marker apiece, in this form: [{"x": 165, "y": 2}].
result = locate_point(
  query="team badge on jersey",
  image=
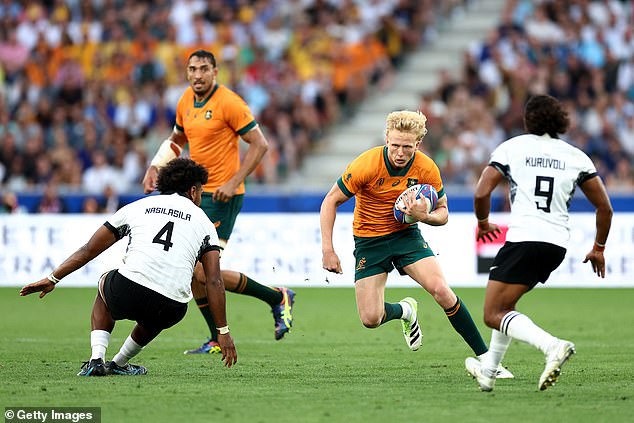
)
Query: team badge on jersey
[
  {"x": 361, "y": 264},
  {"x": 208, "y": 114},
  {"x": 411, "y": 182}
]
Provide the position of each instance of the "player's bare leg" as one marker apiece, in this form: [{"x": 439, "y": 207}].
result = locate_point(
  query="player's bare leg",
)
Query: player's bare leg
[
  {"x": 370, "y": 295},
  {"x": 428, "y": 274},
  {"x": 280, "y": 300},
  {"x": 374, "y": 310},
  {"x": 500, "y": 314}
]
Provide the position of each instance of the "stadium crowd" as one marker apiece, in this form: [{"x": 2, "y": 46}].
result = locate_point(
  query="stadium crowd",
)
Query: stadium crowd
[
  {"x": 89, "y": 88},
  {"x": 581, "y": 52}
]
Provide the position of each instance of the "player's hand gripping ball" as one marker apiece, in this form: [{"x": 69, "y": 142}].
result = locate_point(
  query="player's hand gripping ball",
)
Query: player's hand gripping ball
[{"x": 424, "y": 193}]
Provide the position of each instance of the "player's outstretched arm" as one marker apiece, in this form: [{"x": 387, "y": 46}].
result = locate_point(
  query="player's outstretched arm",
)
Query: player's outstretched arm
[
  {"x": 101, "y": 240},
  {"x": 595, "y": 192},
  {"x": 327, "y": 216},
  {"x": 217, "y": 304}
]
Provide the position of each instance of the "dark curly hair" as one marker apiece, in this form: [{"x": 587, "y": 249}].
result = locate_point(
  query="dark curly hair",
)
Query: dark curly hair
[
  {"x": 543, "y": 114},
  {"x": 179, "y": 175}
]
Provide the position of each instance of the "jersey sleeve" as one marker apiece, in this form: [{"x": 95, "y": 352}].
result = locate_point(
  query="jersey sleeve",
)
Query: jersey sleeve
[
  {"x": 118, "y": 222},
  {"x": 587, "y": 170},
  {"x": 210, "y": 241},
  {"x": 500, "y": 159},
  {"x": 355, "y": 176},
  {"x": 238, "y": 115}
]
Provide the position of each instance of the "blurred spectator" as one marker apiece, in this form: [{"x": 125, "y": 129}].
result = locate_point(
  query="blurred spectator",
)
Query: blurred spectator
[
  {"x": 81, "y": 77},
  {"x": 10, "y": 205},
  {"x": 90, "y": 87},
  {"x": 622, "y": 180},
  {"x": 579, "y": 52},
  {"x": 51, "y": 201},
  {"x": 111, "y": 200},
  {"x": 91, "y": 206},
  {"x": 101, "y": 174}
]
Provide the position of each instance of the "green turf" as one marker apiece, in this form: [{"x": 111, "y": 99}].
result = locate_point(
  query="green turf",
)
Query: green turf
[{"x": 329, "y": 368}]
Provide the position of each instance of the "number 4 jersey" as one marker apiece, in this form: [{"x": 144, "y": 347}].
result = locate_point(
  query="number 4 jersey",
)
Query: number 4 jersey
[
  {"x": 543, "y": 173},
  {"x": 168, "y": 234}
]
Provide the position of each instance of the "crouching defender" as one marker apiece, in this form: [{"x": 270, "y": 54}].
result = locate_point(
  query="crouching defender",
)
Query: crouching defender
[{"x": 169, "y": 233}]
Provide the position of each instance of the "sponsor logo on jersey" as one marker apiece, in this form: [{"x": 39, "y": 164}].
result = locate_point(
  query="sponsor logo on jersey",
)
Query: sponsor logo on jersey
[
  {"x": 411, "y": 182},
  {"x": 208, "y": 114},
  {"x": 348, "y": 176},
  {"x": 398, "y": 181},
  {"x": 379, "y": 183}
]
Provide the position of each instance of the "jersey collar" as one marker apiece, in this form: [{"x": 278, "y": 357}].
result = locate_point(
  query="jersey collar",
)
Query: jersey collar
[
  {"x": 199, "y": 104},
  {"x": 391, "y": 169}
]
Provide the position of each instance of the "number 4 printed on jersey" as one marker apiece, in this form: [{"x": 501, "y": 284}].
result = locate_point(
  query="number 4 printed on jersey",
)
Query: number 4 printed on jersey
[{"x": 167, "y": 230}]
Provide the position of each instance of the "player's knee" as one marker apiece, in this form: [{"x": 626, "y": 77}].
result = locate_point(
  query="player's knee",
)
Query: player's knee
[
  {"x": 492, "y": 318},
  {"x": 371, "y": 320},
  {"x": 443, "y": 295}
]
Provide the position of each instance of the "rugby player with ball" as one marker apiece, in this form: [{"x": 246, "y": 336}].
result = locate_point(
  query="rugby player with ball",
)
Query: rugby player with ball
[{"x": 376, "y": 178}]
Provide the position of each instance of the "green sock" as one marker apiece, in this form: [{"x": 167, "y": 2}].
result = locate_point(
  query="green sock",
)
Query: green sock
[
  {"x": 203, "y": 306},
  {"x": 392, "y": 311},
  {"x": 462, "y": 322},
  {"x": 248, "y": 286}
]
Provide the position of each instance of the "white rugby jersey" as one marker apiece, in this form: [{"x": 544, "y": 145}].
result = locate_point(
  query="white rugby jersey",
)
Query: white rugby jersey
[
  {"x": 168, "y": 234},
  {"x": 543, "y": 173}
]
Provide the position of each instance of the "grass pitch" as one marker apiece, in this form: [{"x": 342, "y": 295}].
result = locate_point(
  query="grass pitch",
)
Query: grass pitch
[{"x": 329, "y": 368}]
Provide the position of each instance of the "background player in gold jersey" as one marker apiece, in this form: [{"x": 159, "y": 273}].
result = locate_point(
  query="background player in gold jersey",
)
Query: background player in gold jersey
[
  {"x": 212, "y": 119},
  {"x": 376, "y": 178}
]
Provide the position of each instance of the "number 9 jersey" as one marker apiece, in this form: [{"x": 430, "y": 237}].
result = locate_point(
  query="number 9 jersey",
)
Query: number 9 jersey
[
  {"x": 543, "y": 173},
  {"x": 168, "y": 235}
]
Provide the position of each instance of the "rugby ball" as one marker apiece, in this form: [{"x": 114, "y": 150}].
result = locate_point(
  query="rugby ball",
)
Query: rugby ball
[{"x": 424, "y": 193}]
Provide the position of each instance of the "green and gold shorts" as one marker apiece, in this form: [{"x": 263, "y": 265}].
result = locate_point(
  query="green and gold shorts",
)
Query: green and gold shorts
[
  {"x": 223, "y": 215},
  {"x": 381, "y": 254}
]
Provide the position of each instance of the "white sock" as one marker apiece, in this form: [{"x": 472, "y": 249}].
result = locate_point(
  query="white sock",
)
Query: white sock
[
  {"x": 522, "y": 328},
  {"x": 491, "y": 359},
  {"x": 407, "y": 310},
  {"x": 128, "y": 350},
  {"x": 99, "y": 340}
]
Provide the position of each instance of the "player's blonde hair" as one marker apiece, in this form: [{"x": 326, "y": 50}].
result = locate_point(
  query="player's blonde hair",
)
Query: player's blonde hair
[{"x": 407, "y": 121}]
